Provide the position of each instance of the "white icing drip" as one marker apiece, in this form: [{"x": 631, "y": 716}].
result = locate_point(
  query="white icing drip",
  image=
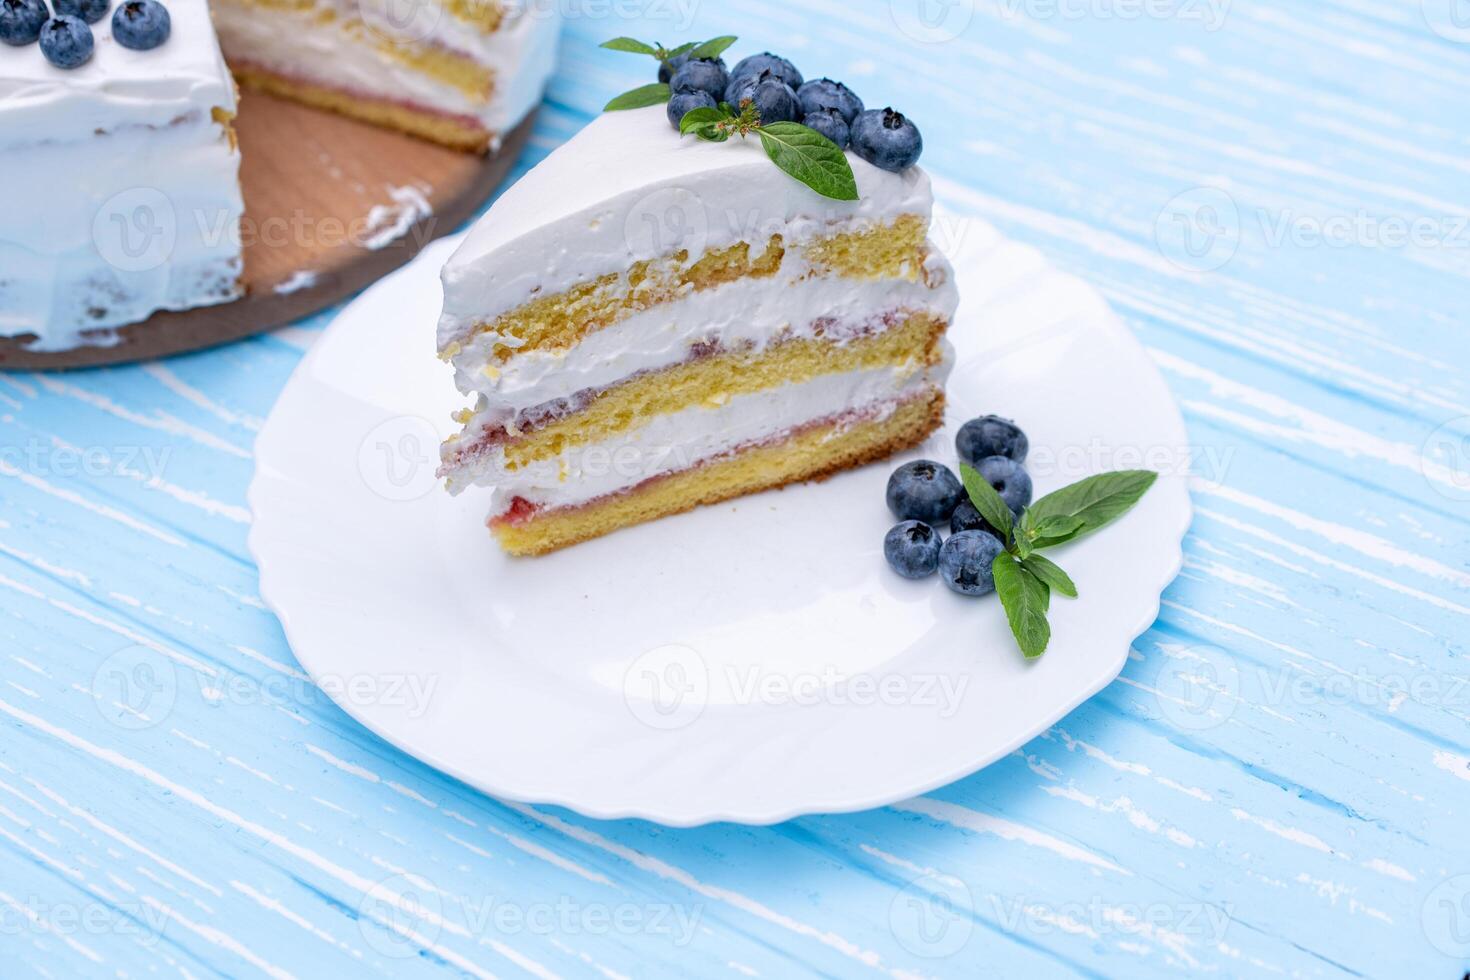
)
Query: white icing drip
[{"x": 149, "y": 221}]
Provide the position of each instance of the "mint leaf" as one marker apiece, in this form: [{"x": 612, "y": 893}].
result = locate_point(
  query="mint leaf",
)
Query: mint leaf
[
  {"x": 1025, "y": 598},
  {"x": 811, "y": 158},
  {"x": 1050, "y": 574},
  {"x": 696, "y": 119},
  {"x": 629, "y": 45},
  {"x": 986, "y": 500},
  {"x": 714, "y": 47},
  {"x": 639, "y": 98},
  {"x": 1088, "y": 505},
  {"x": 1054, "y": 527},
  {"x": 685, "y": 48}
]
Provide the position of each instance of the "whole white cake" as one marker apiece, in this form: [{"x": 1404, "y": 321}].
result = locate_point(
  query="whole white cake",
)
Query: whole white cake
[{"x": 138, "y": 162}]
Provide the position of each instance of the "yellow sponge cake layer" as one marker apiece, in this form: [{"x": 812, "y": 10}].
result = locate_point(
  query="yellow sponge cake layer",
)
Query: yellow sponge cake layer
[
  {"x": 812, "y": 454},
  {"x": 895, "y": 250},
  {"x": 448, "y": 131},
  {"x": 712, "y": 381}
]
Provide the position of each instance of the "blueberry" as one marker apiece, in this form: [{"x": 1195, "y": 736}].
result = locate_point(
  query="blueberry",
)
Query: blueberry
[
  {"x": 66, "y": 41},
  {"x": 912, "y": 549},
  {"x": 753, "y": 66},
  {"x": 887, "y": 139},
  {"x": 924, "y": 491},
  {"x": 683, "y": 102},
  {"x": 666, "y": 69},
  {"x": 991, "y": 435},
  {"x": 965, "y": 562},
  {"x": 90, "y": 11},
  {"x": 774, "y": 100},
  {"x": 702, "y": 75},
  {"x": 21, "y": 20},
  {"x": 141, "y": 24},
  {"x": 823, "y": 93},
  {"x": 967, "y": 518},
  {"x": 1009, "y": 478},
  {"x": 830, "y": 124}
]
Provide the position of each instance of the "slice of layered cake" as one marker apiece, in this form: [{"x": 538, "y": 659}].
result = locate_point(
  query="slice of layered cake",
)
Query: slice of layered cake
[
  {"x": 458, "y": 72},
  {"x": 649, "y": 322}
]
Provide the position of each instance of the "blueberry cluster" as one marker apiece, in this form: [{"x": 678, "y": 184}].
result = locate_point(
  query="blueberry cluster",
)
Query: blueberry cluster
[
  {"x": 925, "y": 494},
  {"x": 66, "y": 37},
  {"x": 883, "y": 137}
]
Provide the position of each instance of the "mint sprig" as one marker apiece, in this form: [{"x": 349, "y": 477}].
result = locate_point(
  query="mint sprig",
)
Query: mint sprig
[
  {"x": 1024, "y": 580},
  {"x": 639, "y": 98},
  {"x": 798, "y": 150},
  {"x": 658, "y": 93}
]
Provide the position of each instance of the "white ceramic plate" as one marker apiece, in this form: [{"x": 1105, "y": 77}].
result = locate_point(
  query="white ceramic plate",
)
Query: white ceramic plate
[{"x": 752, "y": 661}]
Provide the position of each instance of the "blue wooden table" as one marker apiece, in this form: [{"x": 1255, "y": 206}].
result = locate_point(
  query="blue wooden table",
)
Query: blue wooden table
[{"x": 1272, "y": 193}]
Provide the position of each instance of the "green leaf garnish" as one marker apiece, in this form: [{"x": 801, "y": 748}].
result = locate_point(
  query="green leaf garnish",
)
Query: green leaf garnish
[
  {"x": 1025, "y": 598},
  {"x": 1024, "y": 579},
  {"x": 798, "y": 150},
  {"x": 987, "y": 501},
  {"x": 697, "y": 119},
  {"x": 714, "y": 47},
  {"x": 811, "y": 158},
  {"x": 639, "y": 98},
  {"x": 629, "y": 45},
  {"x": 1051, "y": 574},
  {"x": 1086, "y": 506}
]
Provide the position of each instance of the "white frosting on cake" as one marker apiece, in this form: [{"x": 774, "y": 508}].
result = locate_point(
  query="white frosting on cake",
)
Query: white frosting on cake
[
  {"x": 679, "y": 440},
  {"x": 143, "y": 203},
  {"x": 348, "y": 52},
  {"x": 628, "y": 188},
  {"x": 118, "y": 88}
]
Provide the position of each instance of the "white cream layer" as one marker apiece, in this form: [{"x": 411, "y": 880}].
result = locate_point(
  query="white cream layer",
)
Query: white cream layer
[
  {"x": 347, "y": 53},
  {"x": 628, "y": 188},
  {"x": 679, "y": 440},
  {"x": 745, "y": 314}
]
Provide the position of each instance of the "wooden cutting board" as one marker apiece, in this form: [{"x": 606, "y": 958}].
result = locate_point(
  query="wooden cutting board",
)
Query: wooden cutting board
[{"x": 325, "y": 200}]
